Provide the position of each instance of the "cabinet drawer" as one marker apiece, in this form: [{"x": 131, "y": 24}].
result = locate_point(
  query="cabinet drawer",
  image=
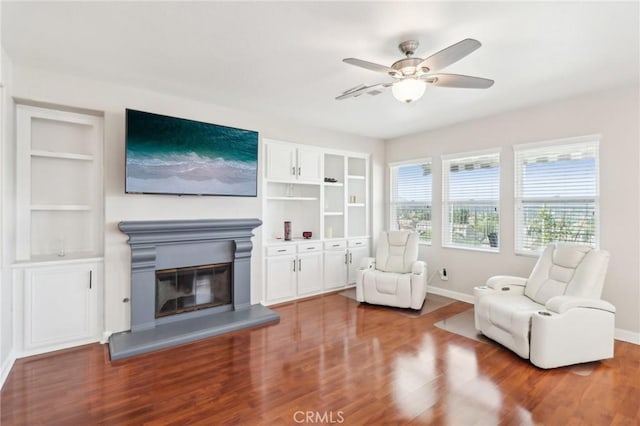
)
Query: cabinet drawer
[
  {"x": 279, "y": 250},
  {"x": 309, "y": 247},
  {"x": 362, "y": 242},
  {"x": 335, "y": 245}
]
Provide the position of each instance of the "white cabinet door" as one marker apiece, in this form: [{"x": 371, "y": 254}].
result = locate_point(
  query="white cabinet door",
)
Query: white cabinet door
[
  {"x": 310, "y": 165},
  {"x": 281, "y": 162},
  {"x": 335, "y": 268},
  {"x": 60, "y": 305},
  {"x": 281, "y": 277},
  {"x": 309, "y": 273},
  {"x": 356, "y": 254}
]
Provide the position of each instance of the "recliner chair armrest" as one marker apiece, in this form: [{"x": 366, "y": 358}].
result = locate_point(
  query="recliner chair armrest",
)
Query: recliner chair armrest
[
  {"x": 419, "y": 267},
  {"x": 561, "y": 304},
  {"x": 505, "y": 284},
  {"x": 498, "y": 281},
  {"x": 368, "y": 263}
]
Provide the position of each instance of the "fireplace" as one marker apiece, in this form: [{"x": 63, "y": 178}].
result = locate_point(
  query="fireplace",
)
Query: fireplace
[
  {"x": 192, "y": 288},
  {"x": 190, "y": 279}
]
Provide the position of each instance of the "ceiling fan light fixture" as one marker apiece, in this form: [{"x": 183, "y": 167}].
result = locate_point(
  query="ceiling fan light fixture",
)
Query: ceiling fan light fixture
[{"x": 408, "y": 90}]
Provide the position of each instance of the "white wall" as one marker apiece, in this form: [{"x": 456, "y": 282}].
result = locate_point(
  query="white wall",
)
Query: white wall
[
  {"x": 612, "y": 114},
  {"x": 112, "y": 99},
  {"x": 7, "y": 216}
]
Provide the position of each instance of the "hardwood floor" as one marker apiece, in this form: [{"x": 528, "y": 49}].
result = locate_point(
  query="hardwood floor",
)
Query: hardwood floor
[{"x": 328, "y": 361}]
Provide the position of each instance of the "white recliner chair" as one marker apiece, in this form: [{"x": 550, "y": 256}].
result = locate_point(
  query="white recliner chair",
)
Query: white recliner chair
[
  {"x": 395, "y": 277},
  {"x": 555, "y": 317}
]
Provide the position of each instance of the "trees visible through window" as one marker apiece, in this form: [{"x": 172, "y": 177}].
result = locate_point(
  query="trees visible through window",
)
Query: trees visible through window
[
  {"x": 556, "y": 193},
  {"x": 470, "y": 200},
  {"x": 411, "y": 198}
]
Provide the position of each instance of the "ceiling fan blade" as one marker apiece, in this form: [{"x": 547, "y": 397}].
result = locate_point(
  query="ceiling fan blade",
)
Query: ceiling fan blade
[
  {"x": 374, "y": 89},
  {"x": 371, "y": 66},
  {"x": 457, "y": 80},
  {"x": 449, "y": 55}
]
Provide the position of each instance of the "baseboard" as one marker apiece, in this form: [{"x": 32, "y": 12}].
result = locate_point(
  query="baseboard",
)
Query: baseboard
[
  {"x": 7, "y": 365},
  {"x": 450, "y": 294},
  {"x": 105, "y": 337},
  {"x": 627, "y": 336}
]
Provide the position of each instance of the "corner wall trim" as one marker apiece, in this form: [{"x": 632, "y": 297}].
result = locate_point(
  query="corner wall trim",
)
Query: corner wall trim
[{"x": 7, "y": 365}]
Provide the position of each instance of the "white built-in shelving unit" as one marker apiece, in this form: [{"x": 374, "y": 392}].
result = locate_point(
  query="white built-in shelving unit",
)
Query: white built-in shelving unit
[
  {"x": 59, "y": 225},
  {"x": 325, "y": 192}
]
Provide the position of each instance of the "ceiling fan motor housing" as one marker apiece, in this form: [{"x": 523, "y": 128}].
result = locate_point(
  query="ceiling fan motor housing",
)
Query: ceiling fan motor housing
[{"x": 408, "y": 67}]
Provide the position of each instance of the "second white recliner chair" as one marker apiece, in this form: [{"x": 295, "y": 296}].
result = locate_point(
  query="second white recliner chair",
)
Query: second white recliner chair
[{"x": 556, "y": 316}]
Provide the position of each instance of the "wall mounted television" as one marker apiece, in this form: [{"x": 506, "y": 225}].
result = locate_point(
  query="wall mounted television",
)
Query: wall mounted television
[{"x": 169, "y": 155}]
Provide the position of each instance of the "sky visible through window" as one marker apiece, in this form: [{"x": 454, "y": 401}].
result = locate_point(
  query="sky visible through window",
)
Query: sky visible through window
[
  {"x": 420, "y": 190},
  {"x": 564, "y": 178}
]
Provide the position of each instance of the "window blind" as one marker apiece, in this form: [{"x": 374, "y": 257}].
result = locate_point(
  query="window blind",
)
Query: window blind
[
  {"x": 410, "y": 207},
  {"x": 556, "y": 193},
  {"x": 471, "y": 196}
]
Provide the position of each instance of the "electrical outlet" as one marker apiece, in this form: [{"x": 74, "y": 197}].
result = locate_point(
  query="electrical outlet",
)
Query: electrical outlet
[{"x": 444, "y": 276}]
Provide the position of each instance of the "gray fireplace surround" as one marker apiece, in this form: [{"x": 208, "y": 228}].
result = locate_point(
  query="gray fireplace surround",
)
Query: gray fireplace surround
[{"x": 165, "y": 244}]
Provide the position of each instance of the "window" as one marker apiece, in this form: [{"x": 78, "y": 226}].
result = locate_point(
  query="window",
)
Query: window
[
  {"x": 556, "y": 193},
  {"x": 411, "y": 198},
  {"x": 470, "y": 200}
]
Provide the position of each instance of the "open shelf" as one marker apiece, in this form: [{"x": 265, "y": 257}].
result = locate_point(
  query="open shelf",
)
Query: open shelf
[
  {"x": 333, "y": 213},
  {"x": 337, "y": 184},
  {"x": 356, "y": 204},
  {"x": 356, "y": 177}
]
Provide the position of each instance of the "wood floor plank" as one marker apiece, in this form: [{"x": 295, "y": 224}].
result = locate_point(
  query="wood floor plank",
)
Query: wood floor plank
[{"x": 329, "y": 360}]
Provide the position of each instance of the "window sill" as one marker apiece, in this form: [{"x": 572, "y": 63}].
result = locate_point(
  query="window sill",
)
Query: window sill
[{"x": 480, "y": 249}]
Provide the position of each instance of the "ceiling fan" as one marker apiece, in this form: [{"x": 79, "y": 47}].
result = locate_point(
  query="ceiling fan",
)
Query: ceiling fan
[{"x": 413, "y": 74}]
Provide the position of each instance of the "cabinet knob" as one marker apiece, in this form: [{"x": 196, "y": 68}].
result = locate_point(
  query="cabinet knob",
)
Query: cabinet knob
[{"x": 125, "y": 300}]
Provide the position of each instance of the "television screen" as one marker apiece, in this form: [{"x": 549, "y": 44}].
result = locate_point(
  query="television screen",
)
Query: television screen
[{"x": 168, "y": 155}]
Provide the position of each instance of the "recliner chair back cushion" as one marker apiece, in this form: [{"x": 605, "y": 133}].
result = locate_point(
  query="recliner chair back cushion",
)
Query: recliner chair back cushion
[
  {"x": 397, "y": 251},
  {"x": 565, "y": 269}
]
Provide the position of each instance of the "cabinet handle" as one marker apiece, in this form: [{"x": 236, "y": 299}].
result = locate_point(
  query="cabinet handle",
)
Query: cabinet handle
[
  {"x": 293, "y": 170},
  {"x": 299, "y": 171},
  {"x": 345, "y": 258},
  {"x": 311, "y": 248},
  {"x": 294, "y": 265},
  {"x": 90, "y": 279},
  {"x": 350, "y": 257},
  {"x": 336, "y": 245},
  {"x": 281, "y": 250},
  {"x": 299, "y": 265}
]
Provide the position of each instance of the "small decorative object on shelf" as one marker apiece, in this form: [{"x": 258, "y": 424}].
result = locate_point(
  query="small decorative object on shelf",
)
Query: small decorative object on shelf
[
  {"x": 287, "y": 231},
  {"x": 353, "y": 199},
  {"x": 330, "y": 179},
  {"x": 328, "y": 232},
  {"x": 306, "y": 235}
]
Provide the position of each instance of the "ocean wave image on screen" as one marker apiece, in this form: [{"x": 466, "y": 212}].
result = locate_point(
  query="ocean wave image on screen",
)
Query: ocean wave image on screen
[{"x": 175, "y": 156}]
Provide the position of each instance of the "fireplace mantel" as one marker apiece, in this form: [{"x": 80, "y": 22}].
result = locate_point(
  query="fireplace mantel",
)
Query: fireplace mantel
[
  {"x": 164, "y": 244},
  {"x": 176, "y": 231}
]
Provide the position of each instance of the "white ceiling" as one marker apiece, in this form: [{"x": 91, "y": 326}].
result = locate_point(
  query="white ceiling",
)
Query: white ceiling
[{"x": 285, "y": 59}]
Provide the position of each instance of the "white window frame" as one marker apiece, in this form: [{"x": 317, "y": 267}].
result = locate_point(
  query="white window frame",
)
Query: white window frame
[
  {"x": 445, "y": 199},
  {"x": 519, "y": 199},
  {"x": 412, "y": 162}
]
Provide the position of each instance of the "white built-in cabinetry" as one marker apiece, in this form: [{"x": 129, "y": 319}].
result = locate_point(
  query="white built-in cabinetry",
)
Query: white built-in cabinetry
[
  {"x": 59, "y": 226},
  {"x": 325, "y": 192}
]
